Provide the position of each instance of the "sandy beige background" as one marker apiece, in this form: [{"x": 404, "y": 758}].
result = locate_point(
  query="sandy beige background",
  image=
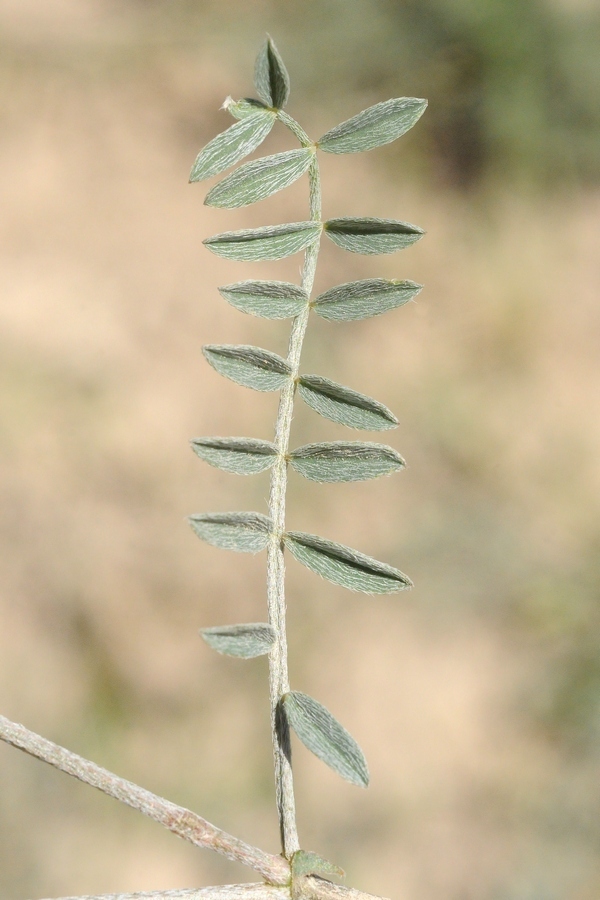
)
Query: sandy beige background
[{"x": 479, "y": 788}]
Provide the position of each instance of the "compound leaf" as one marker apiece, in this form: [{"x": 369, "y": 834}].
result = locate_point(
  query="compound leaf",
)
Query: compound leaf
[
  {"x": 362, "y": 299},
  {"x": 249, "y": 366},
  {"x": 345, "y": 566},
  {"x": 343, "y": 405},
  {"x": 269, "y": 299},
  {"x": 268, "y": 242},
  {"x": 246, "y": 532},
  {"x": 375, "y": 126},
  {"x": 259, "y": 179},
  {"x": 246, "y": 641},
  {"x": 371, "y": 236},
  {"x": 325, "y": 737},
  {"x": 271, "y": 79},
  {"x": 242, "y": 456},
  {"x": 232, "y": 145},
  {"x": 345, "y": 461}
]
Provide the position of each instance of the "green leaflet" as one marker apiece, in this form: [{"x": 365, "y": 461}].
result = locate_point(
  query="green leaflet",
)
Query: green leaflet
[
  {"x": 232, "y": 145},
  {"x": 325, "y": 737},
  {"x": 371, "y": 236},
  {"x": 271, "y": 79},
  {"x": 242, "y": 456},
  {"x": 375, "y": 126},
  {"x": 241, "y": 109},
  {"x": 259, "y": 179},
  {"x": 343, "y": 405},
  {"x": 268, "y": 242},
  {"x": 345, "y": 461},
  {"x": 246, "y": 532},
  {"x": 362, "y": 299},
  {"x": 252, "y": 367},
  {"x": 269, "y": 299},
  {"x": 345, "y": 566},
  {"x": 246, "y": 641},
  {"x": 305, "y": 862}
]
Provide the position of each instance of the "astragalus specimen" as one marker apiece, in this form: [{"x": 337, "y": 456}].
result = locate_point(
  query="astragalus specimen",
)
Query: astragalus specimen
[{"x": 296, "y": 872}]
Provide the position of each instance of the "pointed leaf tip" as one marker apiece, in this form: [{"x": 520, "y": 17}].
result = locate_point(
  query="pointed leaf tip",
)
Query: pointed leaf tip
[
  {"x": 271, "y": 78},
  {"x": 343, "y": 405},
  {"x": 242, "y": 456},
  {"x": 259, "y": 179},
  {"x": 362, "y": 299},
  {"x": 246, "y": 532},
  {"x": 373, "y": 127},
  {"x": 344, "y": 566},
  {"x": 371, "y": 236},
  {"x": 345, "y": 461},
  {"x": 244, "y": 641},
  {"x": 325, "y": 737},
  {"x": 232, "y": 145},
  {"x": 266, "y": 243},
  {"x": 268, "y": 299},
  {"x": 249, "y": 366}
]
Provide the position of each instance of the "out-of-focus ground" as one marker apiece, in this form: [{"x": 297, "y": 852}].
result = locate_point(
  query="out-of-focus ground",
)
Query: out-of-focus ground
[{"x": 476, "y": 697}]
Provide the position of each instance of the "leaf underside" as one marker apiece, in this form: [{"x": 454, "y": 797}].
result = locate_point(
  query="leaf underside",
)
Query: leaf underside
[
  {"x": 375, "y": 126},
  {"x": 344, "y": 566},
  {"x": 345, "y": 461},
  {"x": 266, "y": 243},
  {"x": 249, "y": 366},
  {"x": 325, "y": 737},
  {"x": 268, "y": 299},
  {"x": 372, "y": 236},
  {"x": 246, "y": 532},
  {"x": 232, "y": 145},
  {"x": 259, "y": 179},
  {"x": 245, "y": 641},
  {"x": 343, "y": 405},
  {"x": 363, "y": 299},
  {"x": 271, "y": 78},
  {"x": 242, "y": 456}
]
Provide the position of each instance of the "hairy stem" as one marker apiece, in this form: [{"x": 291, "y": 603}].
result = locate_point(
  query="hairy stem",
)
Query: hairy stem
[
  {"x": 278, "y": 664},
  {"x": 182, "y": 822},
  {"x": 220, "y": 892}
]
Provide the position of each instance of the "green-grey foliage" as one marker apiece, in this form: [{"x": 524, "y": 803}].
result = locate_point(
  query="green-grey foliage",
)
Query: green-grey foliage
[
  {"x": 270, "y": 242},
  {"x": 269, "y": 299},
  {"x": 325, "y": 737},
  {"x": 305, "y": 862},
  {"x": 232, "y": 145},
  {"x": 271, "y": 78},
  {"x": 371, "y": 236},
  {"x": 259, "y": 179},
  {"x": 246, "y": 532},
  {"x": 242, "y": 456},
  {"x": 345, "y": 566},
  {"x": 334, "y": 461},
  {"x": 345, "y": 461},
  {"x": 249, "y": 366},
  {"x": 362, "y": 299},
  {"x": 343, "y": 405},
  {"x": 247, "y": 106},
  {"x": 375, "y": 126},
  {"x": 246, "y": 641}
]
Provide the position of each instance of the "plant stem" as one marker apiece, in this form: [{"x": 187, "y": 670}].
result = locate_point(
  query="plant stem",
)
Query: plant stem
[
  {"x": 220, "y": 892},
  {"x": 278, "y": 663},
  {"x": 182, "y": 822}
]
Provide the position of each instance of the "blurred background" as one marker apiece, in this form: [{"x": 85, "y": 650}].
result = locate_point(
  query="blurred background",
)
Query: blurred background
[{"x": 476, "y": 697}]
